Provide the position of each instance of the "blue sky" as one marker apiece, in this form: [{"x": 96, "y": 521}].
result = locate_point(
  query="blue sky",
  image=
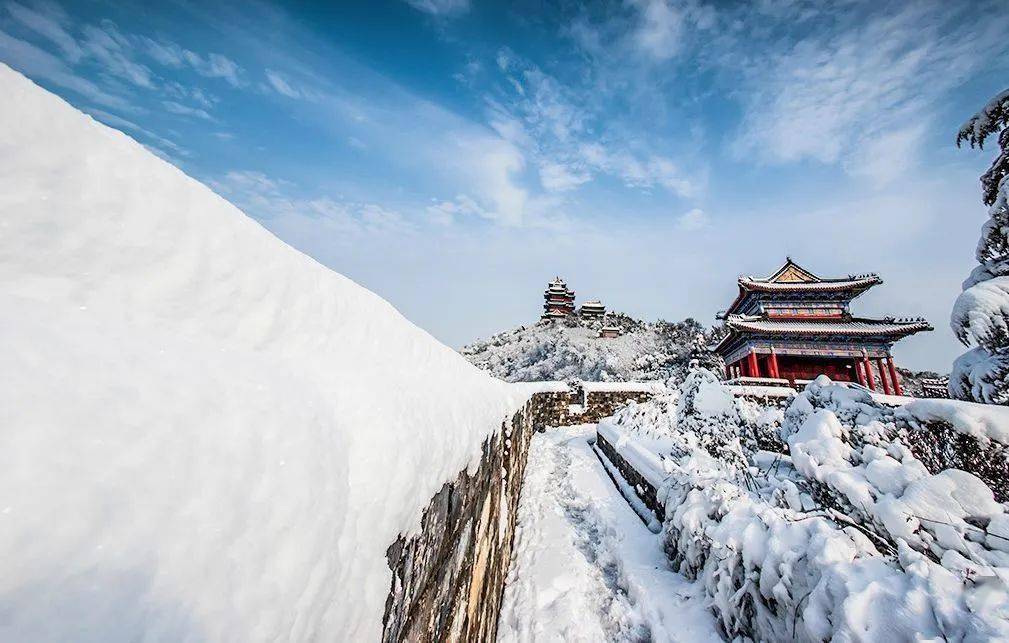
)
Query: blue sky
[{"x": 453, "y": 155}]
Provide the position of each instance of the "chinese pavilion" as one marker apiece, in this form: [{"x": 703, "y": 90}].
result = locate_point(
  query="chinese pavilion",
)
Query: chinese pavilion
[
  {"x": 592, "y": 309},
  {"x": 794, "y": 326},
  {"x": 558, "y": 300}
]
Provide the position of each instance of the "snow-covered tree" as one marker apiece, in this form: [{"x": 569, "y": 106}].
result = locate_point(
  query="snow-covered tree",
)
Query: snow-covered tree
[
  {"x": 980, "y": 316},
  {"x": 571, "y": 349}
]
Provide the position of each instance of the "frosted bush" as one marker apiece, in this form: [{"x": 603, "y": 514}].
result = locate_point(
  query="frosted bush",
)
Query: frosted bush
[{"x": 843, "y": 534}]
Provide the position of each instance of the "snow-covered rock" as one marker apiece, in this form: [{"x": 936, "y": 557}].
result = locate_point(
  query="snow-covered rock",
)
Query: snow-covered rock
[{"x": 206, "y": 434}]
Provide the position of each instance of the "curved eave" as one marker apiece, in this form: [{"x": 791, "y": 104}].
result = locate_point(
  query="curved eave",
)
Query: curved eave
[
  {"x": 856, "y": 328},
  {"x": 853, "y": 286}
]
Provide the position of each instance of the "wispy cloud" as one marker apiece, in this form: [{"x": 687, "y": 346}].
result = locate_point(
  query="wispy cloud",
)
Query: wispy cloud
[
  {"x": 49, "y": 21},
  {"x": 567, "y": 130},
  {"x": 853, "y": 91},
  {"x": 268, "y": 199},
  {"x": 117, "y": 54},
  {"x": 440, "y": 7},
  {"x": 37, "y": 63},
  {"x": 280, "y": 84},
  {"x": 692, "y": 220}
]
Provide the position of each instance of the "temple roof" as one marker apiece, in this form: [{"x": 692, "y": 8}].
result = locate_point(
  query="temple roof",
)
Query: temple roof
[
  {"x": 889, "y": 328},
  {"x": 793, "y": 278},
  {"x": 854, "y": 326}
]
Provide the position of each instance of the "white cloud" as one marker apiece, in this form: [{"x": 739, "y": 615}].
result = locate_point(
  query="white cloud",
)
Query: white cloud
[
  {"x": 186, "y": 110},
  {"x": 641, "y": 173},
  {"x": 36, "y": 63},
  {"x": 842, "y": 95},
  {"x": 448, "y": 212},
  {"x": 280, "y": 84},
  {"x": 692, "y": 220},
  {"x": 660, "y": 28},
  {"x": 272, "y": 199},
  {"x": 440, "y": 7},
  {"x": 48, "y": 21},
  {"x": 215, "y": 66},
  {"x": 557, "y": 177},
  {"x": 113, "y": 50},
  {"x": 565, "y": 131},
  {"x": 886, "y": 156}
]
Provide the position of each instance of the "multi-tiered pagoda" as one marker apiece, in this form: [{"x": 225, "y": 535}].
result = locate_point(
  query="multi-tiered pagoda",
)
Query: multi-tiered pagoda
[
  {"x": 558, "y": 300},
  {"x": 795, "y": 326},
  {"x": 592, "y": 309}
]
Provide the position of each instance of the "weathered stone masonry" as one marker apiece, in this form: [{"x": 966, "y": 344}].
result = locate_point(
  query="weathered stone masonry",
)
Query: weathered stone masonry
[{"x": 448, "y": 580}]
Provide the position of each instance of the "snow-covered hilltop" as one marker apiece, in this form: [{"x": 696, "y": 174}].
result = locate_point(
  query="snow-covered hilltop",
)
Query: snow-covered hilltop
[
  {"x": 206, "y": 434},
  {"x": 571, "y": 348}
]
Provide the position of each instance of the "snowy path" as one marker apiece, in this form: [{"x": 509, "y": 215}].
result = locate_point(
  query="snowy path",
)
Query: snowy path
[{"x": 585, "y": 567}]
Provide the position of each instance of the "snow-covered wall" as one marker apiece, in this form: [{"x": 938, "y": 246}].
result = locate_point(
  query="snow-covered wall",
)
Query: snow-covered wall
[
  {"x": 204, "y": 434},
  {"x": 450, "y": 577}
]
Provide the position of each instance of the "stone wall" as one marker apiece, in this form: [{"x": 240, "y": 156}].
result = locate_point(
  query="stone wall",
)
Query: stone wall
[
  {"x": 576, "y": 406},
  {"x": 448, "y": 580},
  {"x": 642, "y": 487}
]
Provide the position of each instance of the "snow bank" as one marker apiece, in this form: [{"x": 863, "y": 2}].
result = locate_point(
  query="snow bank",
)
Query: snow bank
[
  {"x": 982, "y": 421},
  {"x": 206, "y": 434}
]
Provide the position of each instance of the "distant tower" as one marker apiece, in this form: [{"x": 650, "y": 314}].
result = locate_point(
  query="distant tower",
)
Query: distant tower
[
  {"x": 558, "y": 300},
  {"x": 592, "y": 309}
]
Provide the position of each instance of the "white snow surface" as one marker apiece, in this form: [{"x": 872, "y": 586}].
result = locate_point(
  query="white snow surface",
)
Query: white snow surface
[
  {"x": 585, "y": 567},
  {"x": 206, "y": 435}
]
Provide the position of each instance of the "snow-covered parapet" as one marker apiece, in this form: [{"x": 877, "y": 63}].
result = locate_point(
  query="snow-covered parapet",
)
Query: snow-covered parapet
[{"x": 207, "y": 434}]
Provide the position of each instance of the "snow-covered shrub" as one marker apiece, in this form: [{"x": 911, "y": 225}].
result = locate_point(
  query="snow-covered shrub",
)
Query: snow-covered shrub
[
  {"x": 847, "y": 535},
  {"x": 980, "y": 315}
]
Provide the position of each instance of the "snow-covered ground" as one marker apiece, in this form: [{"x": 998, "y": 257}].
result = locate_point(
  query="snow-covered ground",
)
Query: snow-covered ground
[{"x": 586, "y": 568}]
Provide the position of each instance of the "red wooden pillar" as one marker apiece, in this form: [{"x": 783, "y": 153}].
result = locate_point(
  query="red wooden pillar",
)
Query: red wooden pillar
[
  {"x": 869, "y": 377},
  {"x": 754, "y": 364},
  {"x": 893, "y": 375},
  {"x": 772, "y": 364},
  {"x": 882, "y": 376},
  {"x": 859, "y": 376}
]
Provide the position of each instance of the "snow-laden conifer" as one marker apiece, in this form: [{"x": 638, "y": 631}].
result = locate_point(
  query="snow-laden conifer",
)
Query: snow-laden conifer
[{"x": 980, "y": 317}]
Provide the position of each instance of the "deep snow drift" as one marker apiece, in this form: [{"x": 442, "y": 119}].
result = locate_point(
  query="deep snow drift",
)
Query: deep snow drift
[{"x": 205, "y": 434}]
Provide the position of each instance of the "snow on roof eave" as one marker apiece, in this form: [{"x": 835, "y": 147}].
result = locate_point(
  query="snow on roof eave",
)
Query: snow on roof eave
[
  {"x": 806, "y": 327},
  {"x": 751, "y": 284},
  {"x": 863, "y": 283}
]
